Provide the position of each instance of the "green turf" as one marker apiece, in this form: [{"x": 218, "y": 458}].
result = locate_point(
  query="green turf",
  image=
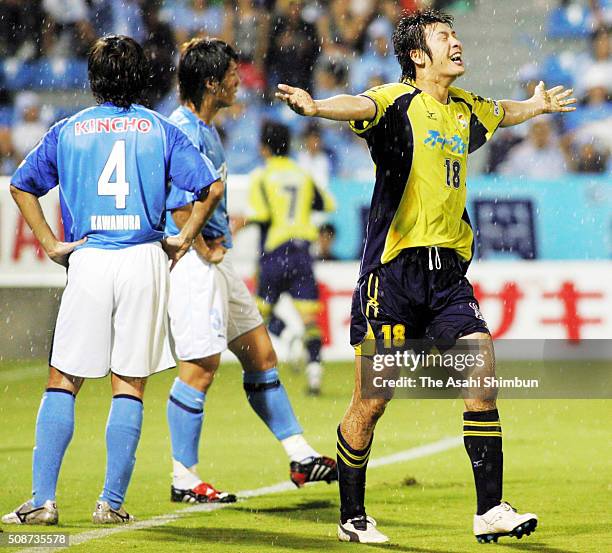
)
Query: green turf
[{"x": 557, "y": 464}]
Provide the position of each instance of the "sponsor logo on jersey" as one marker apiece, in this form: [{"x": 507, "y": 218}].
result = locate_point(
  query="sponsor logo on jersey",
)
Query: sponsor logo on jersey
[
  {"x": 112, "y": 125},
  {"x": 454, "y": 144}
]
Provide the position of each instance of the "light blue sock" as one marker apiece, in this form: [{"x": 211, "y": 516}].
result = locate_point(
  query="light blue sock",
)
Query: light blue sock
[
  {"x": 269, "y": 400},
  {"x": 185, "y": 418},
  {"x": 54, "y": 429},
  {"x": 122, "y": 435}
]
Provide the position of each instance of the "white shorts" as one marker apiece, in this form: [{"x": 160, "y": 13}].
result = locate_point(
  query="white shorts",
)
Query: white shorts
[
  {"x": 113, "y": 314},
  {"x": 210, "y": 306}
]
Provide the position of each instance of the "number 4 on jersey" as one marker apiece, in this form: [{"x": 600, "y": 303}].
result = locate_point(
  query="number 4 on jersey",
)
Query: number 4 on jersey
[{"x": 115, "y": 163}]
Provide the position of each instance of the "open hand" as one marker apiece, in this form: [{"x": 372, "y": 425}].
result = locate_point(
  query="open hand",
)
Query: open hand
[
  {"x": 60, "y": 251},
  {"x": 297, "y": 99},
  {"x": 553, "y": 100}
]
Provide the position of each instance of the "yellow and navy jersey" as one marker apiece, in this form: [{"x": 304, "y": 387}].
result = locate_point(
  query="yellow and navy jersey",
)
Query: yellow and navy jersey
[
  {"x": 420, "y": 149},
  {"x": 282, "y": 197}
]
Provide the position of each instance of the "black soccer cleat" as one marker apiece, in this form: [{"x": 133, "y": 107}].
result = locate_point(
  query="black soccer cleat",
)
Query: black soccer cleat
[
  {"x": 314, "y": 469},
  {"x": 202, "y": 493}
]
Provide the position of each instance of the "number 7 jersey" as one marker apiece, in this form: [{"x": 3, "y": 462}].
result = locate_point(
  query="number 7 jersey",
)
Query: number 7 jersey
[
  {"x": 420, "y": 148},
  {"x": 114, "y": 167}
]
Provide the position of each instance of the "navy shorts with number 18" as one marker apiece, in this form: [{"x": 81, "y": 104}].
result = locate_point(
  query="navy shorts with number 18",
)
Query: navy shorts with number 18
[{"x": 423, "y": 291}]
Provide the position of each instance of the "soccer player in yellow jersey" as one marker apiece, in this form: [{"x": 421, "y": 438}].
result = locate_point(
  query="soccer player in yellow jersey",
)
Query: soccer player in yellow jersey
[
  {"x": 419, "y": 243},
  {"x": 282, "y": 198}
]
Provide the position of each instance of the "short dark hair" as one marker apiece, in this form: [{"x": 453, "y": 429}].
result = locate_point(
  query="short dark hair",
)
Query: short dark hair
[
  {"x": 202, "y": 60},
  {"x": 276, "y": 136},
  {"x": 118, "y": 70},
  {"x": 327, "y": 228},
  {"x": 409, "y": 35}
]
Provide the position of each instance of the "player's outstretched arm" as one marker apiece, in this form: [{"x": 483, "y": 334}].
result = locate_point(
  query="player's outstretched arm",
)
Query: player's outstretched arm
[
  {"x": 29, "y": 206},
  {"x": 343, "y": 107},
  {"x": 554, "y": 100}
]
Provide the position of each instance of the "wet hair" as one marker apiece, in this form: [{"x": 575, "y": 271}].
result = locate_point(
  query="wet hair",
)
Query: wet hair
[
  {"x": 409, "y": 35},
  {"x": 203, "y": 60},
  {"x": 118, "y": 70},
  {"x": 276, "y": 136}
]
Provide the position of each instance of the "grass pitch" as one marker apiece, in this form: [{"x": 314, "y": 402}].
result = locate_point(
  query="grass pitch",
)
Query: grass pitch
[{"x": 557, "y": 464}]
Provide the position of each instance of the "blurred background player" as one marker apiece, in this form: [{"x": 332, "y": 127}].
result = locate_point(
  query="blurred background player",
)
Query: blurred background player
[
  {"x": 210, "y": 307},
  {"x": 282, "y": 198},
  {"x": 418, "y": 245},
  {"x": 112, "y": 163}
]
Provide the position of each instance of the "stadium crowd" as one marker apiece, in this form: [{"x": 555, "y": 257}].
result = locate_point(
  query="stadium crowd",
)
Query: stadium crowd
[{"x": 325, "y": 46}]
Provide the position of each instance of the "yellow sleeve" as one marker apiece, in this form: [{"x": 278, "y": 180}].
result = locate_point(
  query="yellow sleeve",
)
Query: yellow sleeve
[
  {"x": 383, "y": 96},
  {"x": 259, "y": 207},
  {"x": 487, "y": 114}
]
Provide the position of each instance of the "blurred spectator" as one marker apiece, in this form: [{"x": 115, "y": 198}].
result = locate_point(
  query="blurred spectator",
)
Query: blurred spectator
[
  {"x": 539, "y": 156},
  {"x": 591, "y": 157},
  {"x": 342, "y": 30},
  {"x": 160, "y": 47},
  {"x": 119, "y": 17},
  {"x": 247, "y": 29},
  {"x": 378, "y": 61},
  {"x": 312, "y": 157},
  {"x": 66, "y": 28},
  {"x": 601, "y": 12},
  {"x": 592, "y": 121},
  {"x": 599, "y": 57},
  {"x": 20, "y": 30},
  {"x": 331, "y": 79},
  {"x": 293, "y": 47},
  {"x": 325, "y": 244},
  {"x": 195, "y": 17},
  {"x": 29, "y": 127}
]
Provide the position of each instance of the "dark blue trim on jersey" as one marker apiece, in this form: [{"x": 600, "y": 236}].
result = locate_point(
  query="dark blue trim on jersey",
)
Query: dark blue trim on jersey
[
  {"x": 185, "y": 407},
  {"x": 391, "y": 145}
]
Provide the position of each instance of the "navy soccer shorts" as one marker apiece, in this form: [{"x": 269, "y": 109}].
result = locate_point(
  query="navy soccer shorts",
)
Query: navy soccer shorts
[
  {"x": 288, "y": 268},
  {"x": 421, "y": 294}
]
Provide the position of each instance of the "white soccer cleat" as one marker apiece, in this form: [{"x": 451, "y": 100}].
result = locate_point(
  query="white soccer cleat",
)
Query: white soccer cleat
[
  {"x": 361, "y": 529},
  {"x": 503, "y": 520},
  {"x": 28, "y": 514},
  {"x": 105, "y": 514}
]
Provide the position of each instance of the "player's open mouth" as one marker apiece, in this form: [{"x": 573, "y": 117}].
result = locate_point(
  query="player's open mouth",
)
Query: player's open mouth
[{"x": 456, "y": 58}]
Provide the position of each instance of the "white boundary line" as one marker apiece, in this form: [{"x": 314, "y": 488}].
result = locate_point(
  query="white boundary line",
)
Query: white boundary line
[{"x": 407, "y": 455}]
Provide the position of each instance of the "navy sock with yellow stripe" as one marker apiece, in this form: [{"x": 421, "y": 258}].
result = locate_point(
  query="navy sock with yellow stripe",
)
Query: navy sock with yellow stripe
[
  {"x": 482, "y": 437},
  {"x": 352, "y": 466}
]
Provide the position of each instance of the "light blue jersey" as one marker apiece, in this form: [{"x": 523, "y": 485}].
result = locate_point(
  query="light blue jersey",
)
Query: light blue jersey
[
  {"x": 114, "y": 168},
  {"x": 206, "y": 139}
]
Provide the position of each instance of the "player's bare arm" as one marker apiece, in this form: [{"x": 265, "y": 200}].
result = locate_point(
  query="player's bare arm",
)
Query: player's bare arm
[
  {"x": 554, "y": 100},
  {"x": 29, "y": 206},
  {"x": 343, "y": 107},
  {"x": 190, "y": 221}
]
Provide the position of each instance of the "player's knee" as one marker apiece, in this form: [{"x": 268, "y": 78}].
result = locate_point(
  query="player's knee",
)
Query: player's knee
[
  {"x": 64, "y": 381},
  {"x": 199, "y": 373},
  {"x": 264, "y": 361}
]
